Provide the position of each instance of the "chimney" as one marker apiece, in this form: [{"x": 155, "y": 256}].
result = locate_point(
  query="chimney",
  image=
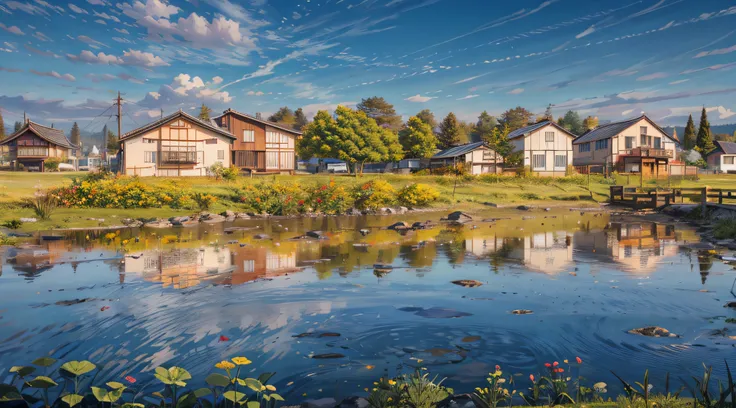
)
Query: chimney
[{"x": 259, "y": 116}]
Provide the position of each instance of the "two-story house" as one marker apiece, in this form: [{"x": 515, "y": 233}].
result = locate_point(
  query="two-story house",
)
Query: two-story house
[
  {"x": 176, "y": 145},
  {"x": 33, "y": 144},
  {"x": 547, "y": 147},
  {"x": 635, "y": 145},
  {"x": 723, "y": 157},
  {"x": 260, "y": 146}
]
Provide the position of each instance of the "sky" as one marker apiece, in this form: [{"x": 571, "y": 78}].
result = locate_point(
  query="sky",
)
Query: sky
[{"x": 65, "y": 61}]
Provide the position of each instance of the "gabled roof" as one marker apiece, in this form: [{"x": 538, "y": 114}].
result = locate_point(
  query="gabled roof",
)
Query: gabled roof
[
  {"x": 51, "y": 135},
  {"x": 531, "y": 128},
  {"x": 724, "y": 147},
  {"x": 255, "y": 119},
  {"x": 176, "y": 115},
  {"x": 612, "y": 129},
  {"x": 456, "y": 151}
]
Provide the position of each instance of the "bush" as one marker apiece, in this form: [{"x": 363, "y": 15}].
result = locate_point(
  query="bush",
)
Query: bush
[
  {"x": 272, "y": 198},
  {"x": 330, "y": 199},
  {"x": 6, "y": 240},
  {"x": 725, "y": 229},
  {"x": 220, "y": 172},
  {"x": 52, "y": 164},
  {"x": 120, "y": 192},
  {"x": 374, "y": 194},
  {"x": 43, "y": 203},
  {"x": 204, "y": 201},
  {"x": 12, "y": 224},
  {"x": 231, "y": 173},
  {"x": 418, "y": 195}
]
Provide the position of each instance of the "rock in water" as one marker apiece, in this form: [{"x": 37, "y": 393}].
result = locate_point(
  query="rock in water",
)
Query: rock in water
[
  {"x": 316, "y": 235},
  {"x": 521, "y": 312},
  {"x": 328, "y": 356},
  {"x": 468, "y": 283},
  {"x": 653, "y": 331},
  {"x": 399, "y": 226},
  {"x": 261, "y": 236},
  {"x": 354, "y": 402},
  {"x": 459, "y": 216},
  {"x": 441, "y": 313},
  {"x": 732, "y": 305}
]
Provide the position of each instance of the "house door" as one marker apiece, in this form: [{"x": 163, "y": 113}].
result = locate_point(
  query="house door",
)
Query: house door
[{"x": 647, "y": 169}]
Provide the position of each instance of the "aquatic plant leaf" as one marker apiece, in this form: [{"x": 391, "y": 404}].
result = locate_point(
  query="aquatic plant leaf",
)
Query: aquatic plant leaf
[
  {"x": 77, "y": 368},
  {"x": 44, "y": 361},
  {"x": 233, "y": 396},
  {"x": 263, "y": 378},
  {"x": 100, "y": 394},
  {"x": 72, "y": 399},
  {"x": 217, "y": 380},
  {"x": 42, "y": 382},
  {"x": 254, "y": 404},
  {"x": 202, "y": 392},
  {"x": 189, "y": 400},
  {"x": 253, "y": 384},
  {"x": 173, "y": 376},
  {"x": 9, "y": 393},
  {"x": 22, "y": 371},
  {"x": 277, "y": 397},
  {"x": 133, "y": 405},
  {"x": 116, "y": 385}
]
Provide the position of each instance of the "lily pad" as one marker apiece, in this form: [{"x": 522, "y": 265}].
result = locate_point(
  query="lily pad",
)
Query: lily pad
[
  {"x": 217, "y": 380},
  {"x": 234, "y": 396},
  {"x": 77, "y": 368},
  {"x": 9, "y": 393},
  {"x": 327, "y": 356},
  {"x": 42, "y": 382},
  {"x": 22, "y": 371},
  {"x": 44, "y": 361},
  {"x": 72, "y": 399}
]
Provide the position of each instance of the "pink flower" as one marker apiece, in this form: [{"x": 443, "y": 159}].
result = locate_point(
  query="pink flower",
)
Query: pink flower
[
  {"x": 579, "y": 360},
  {"x": 531, "y": 377}
]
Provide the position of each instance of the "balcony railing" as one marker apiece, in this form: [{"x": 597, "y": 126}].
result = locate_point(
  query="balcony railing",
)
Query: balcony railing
[
  {"x": 24, "y": 151},
  {"x": 649, "y": 152},
  {"x": 168, "y": 157}
]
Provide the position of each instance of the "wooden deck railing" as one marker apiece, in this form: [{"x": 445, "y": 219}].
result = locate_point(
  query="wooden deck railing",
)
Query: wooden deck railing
[{"x": 642, "y": 198}]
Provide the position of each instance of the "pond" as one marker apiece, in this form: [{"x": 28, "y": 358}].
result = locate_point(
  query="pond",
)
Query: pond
[{"x": 379, "y": 302}]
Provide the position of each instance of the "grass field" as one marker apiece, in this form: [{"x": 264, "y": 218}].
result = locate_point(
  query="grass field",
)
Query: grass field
[{"x": 456, "y": 193}]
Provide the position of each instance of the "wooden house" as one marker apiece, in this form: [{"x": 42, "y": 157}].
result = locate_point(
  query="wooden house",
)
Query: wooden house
[
  {"x": 477, "y": 158},
  {"x": 547, "y": 148},
  {"x": 33, "y": 144}
]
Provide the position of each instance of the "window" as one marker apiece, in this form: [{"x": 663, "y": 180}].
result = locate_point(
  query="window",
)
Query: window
[
  {"x": 728, "y": 159},
  {"x": 249, "y": 135},
  {"x": 630, "y": 142},
  {"x": 601, "y": 144},
  {"x": 249, "y": 266},
  {"x": 642, "y": 130},
  {"x": 149, "y": 157},
  {"x": 539, "y": 161},
  {"x": 561, "y": 160},
  {"x": 287, "y": 160},
  {"x": 210, "y": 141},
  {"x": 149, "y": 141},
  {"x": 488, "y": 156},
  {"x": 584, "y": 147},
  {"x": 275, "y": 140},
  {"x": 657, "y": 142},
  {"x": 272, "y": 160},
  {"x": 220, "y": 155},
  {"x": 549, "y": 136}
]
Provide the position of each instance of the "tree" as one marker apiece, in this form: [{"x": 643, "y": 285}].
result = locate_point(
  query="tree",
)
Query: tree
[
  {"x": 516, "y": 118},
  {"x": 548, "y": 114},
  {"x": 572, "y": 122},
  {"x": 204, "y": 113},
  {"x": 104, "y": 137},
  {"x": 467, "y": 132},
  {"x": 499, "y": 141},
  {"x": 381, "y": 111},
  {"x": 449, "y": 132},
  {"x": 484, "y": 127},
  {"x": 704, "y": 140},
  {"x": 427, "y": 117},
  {"x": 284, "y": 116},
  {"x": 351, "y": 136},
  {"x": 589, "y": 123},
  {"x": 2, "y": 126},
  {"x": 689, "y": 138},
  {"x": 17, "y": 126},
  {"x": 300, "y": 119},
  {"x": 76, "y": 137},
  {"x": 418, "y": 139},
  {"x": 112, "y": 143}
]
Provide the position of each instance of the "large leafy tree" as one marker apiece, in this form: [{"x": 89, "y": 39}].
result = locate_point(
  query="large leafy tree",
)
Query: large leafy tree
[
  {"x": 484, "y": 127},
  {"x": 381, "y": 111},
  {"x": 548, "y": 114},
  {"x": 418, "y": 139},
  {"x": 2, "y": 126},
  {"x": 499, "y": 141},
  {"x": 76, "y": 137},
  {"x": 284, "y": 116},
  {"x": 571, "y": 121},
  {"x": 590, "y": 123},
  {"x": 450, "y": 132},
  {"x": 705, "y": 139},
  {"x": 427, "y": 117},
  {"x": 300, "y": 119},
  {"x": 204, "y": 113},
  {"x": 516, "y": 118},
  {"x": 689, "y": 138},
  {"x": 351, "y": 136}
]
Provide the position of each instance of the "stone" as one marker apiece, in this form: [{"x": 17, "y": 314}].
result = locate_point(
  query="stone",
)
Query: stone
[
  {"x": 403, "y": 210},
  {"x": 524, "y": 208},
  {"x": 494, "y": 205},
  {"x": 653, "y": 331},
  {"x": 441, "y": 313},
  {"x": 319, "y": 403},
  {"x": 28, "y": 220},
  {"x": 228, "y": 214},
  {"x": 354, "y": 402},
  {"x": 179, "y": 220},
  {"x": 211, "y": 218},
  {"x": 261, "y": 236},
  {"x": 399, "y": 226},
  {"x": 458, "y": 216},
  {"x": 457, "y": 401},
  {"x": 316, "y": 235},
  {"x": 129, "y": 222},
  {"x": 732, "y": 305},
  {"x": 389, "y": 210},
  {"x": 521, "y": 312},
  {"x": 353, "y": 211},
  {"x": 420, "y": 225},
  {"x": 365, "y": 232},
  {"x": 242, "y": 215},
  {"x": 158, "y": 224},
  {"x": 328, "y": 356},
  {"x": 468, "y": 283}
]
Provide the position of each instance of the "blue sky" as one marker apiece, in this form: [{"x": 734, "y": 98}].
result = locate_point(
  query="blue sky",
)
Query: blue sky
[{"x": 63, "y": 61}]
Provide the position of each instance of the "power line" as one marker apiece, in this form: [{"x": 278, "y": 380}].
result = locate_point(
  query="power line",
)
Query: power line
[{"x": 98, "y": 116}]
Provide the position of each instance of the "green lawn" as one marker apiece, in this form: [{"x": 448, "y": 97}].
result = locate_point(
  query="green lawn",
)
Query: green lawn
[{"x": 456, "y": 193}]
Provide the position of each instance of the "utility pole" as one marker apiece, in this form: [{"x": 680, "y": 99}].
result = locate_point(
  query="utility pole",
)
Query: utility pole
[{"x": 119, "y": 103}]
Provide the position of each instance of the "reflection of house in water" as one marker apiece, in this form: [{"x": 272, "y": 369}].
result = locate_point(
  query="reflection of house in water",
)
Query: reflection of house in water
[
  {"x": 636, "y": 246},
  {"x": 251, "y": 263},
  {"x": 546, "y": 252},
  {"x": 181, "y": 267},
  {"x": 31, "y": 260}
]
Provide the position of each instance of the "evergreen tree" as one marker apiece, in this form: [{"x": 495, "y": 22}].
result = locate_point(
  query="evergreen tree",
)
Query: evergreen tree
[
  {"x": 517, "y": 118},
  {"x": 689, "y": 138},
  {"x": 484, "y": 127},
  {"x": 381, "y": 111},
  {"x": 284, "y": 116},
  {"x": 449, "y": 132},
  {"x": 103, "y": 143},
  {"x": 704, "y": 140},
  {"x": 2, "y": 126},
  {"x": 112, "y": 143},
  {"x": 17, "y": 126},
  {"x": 76, "y": 137},
  {"x": 417, "y": 139},
  {"x": 427, "y": 117},
  {"x": 204, "y": 113},
  {"x": 548, "y": 113},
  {"x": 300, "y": 119},
  {"x": 572, "y": 122}
]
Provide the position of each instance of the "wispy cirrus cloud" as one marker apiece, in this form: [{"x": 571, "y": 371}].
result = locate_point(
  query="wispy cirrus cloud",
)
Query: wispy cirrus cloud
[
  {"x": 650, "y": 77},
  {"x": 719, "y": 51},
  {"x": 419, "y": 98},
  {"x": 467, "y": 97},
  {"x": 12, "y": 29},
  {"x": 54, "y": 74}
]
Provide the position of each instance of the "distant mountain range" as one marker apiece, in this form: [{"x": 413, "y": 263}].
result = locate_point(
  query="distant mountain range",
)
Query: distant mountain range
[{"x": 714, "y": 129}]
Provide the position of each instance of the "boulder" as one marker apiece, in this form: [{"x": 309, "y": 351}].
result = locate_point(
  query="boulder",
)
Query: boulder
[
  {"x": 316, "y": 235},
  {"x": 179, "y": 220},
  {"x": 353, "y": 211},
  {"x": 365, "y": 231},
  {"x": 158, "y": 224},
  {"x": 353, "y": 402},
  {"x": 389, "y": 210},
  {"x": 458, "y": 216},
  {"x": 653, "y": 331},
  {"x": 524, "y": 208},
  {"x": 129, "y": 222},
  {"x": 261, "y": 236},
  {"x": 403, "y": 210},
  {"x": 242, "y": 215},
  {"x": 328, "y": 356},
  {"x": 420, "y": 225},
  {"x": 399, "y": 226},
  {"x": 28, "y": 220},
  {"x": 319, "y": 403},
  {"x": 468, "y": 283},
  {"x": 457, "y": 401},
  {"x": 732, "y": 305},
  {"x": 211, "y": 218},
  {"x": 228, "y": 214}
]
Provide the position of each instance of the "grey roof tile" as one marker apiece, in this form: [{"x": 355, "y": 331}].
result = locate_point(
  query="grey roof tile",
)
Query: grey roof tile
[{"x": 457, "y": 150}]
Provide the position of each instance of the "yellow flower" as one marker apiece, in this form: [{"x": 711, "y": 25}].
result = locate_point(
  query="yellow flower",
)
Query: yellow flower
[
  {"x": 391, "y": 382},
  {"x": 225, "y": 365},
  {"x": 241, "y": 361},
  {"x": 270, "y": 387}
]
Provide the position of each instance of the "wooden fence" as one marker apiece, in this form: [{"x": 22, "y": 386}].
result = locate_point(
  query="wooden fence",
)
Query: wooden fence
[{"x": 640, "y": 198}]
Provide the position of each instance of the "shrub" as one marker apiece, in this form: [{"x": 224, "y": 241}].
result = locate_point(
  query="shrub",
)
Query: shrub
[
  {"x": 12, "y": 224},
  {"x": 725, "y": 229},
  {"x": 330, "y": 199},
  {"x": 272, "y": 198},
  {"x": 52, "y": 164},
  {"x": 43, "y": 203},
  {"x": 418, "y": 195},
  {"x": 374, "y": 194},
  {"x": 531, "y": 196},
  {"x": 121, "y": 192},
  {"x": 204, "y": 201},
  {"x": 6, "y": 240},
  {"x": 220, "y": 172}
]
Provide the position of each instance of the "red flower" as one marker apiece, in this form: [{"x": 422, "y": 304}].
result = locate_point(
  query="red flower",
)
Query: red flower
[
  {"x": 548, "y": 365},
  {"x": 559, "y": 370},
  {"x": 103, "y": 308},
  {"x": 224, "y": 338},
  {"x": 323, "y": 188},
  {"x": 531, "y": 377},
  {"x": 579, "y": 360},
  {"x": 301, "y": 202},
  {"x": 555, "y": 364},
  {"x": 498, "y": 367},
  {"x": 130, "y": 379},
  {"x": 319, "y": 200}
]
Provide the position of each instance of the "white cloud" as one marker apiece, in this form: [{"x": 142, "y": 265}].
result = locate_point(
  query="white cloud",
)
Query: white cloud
[
  {"x": 107, "y": 17},
  {"x": 217, "y": 80},
  {"x": 130, "y": 57},
  {"x": 716, "y": 67},
  {"x": 12, "y": 29},
  {"x": 100, "y": 21},
  {"x": 41, "y": 36},
  {"x": 295, "y": 16},
  {"x": 627, "y": 112},
  {"x": 54, "y": 74},
  {"x": 152, "y": 8},
  {"x": 186, "y": 83},
  {"x": 679, "y": 81},
  {"x": 155, "y": 95},
  {"x": 91, "y": 58},
  {"x": 77, "y": 9},
  {"x": 255, "y": 93},
  {"x": 515, "y": 91},
  {"x": 656, "y": 75},
  {"x": 721, "y": 111},
  {"x": 88, "y": 40},
  {"x": 418, "y": 98},
  {"x": 588, "y": 31},
  {"x": 122, "y": 31},
  {"x": 633, "y": 95},
  {"x": 720, "y": 51},
  {"x": 96, "y": 2},
  {"x": 467, "y": 97}
]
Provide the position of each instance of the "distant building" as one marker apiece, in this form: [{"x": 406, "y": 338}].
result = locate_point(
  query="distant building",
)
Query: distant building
[
  {"x": 723, "y": 157},
  {"x": 547, "y": 147},
  {"x": 33, "y": 144},
  {"x": 477, "y": 158}
]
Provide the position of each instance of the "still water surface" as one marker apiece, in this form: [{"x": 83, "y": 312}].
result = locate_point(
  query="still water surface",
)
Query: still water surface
[{"x": 586, "y": 280}]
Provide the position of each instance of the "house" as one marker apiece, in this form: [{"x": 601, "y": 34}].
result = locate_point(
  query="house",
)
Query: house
[
  {"x": 477, "y": 158},
  {"x": 547, "y": 147},
  {"x": 176, "y": 145},
  {"x": 723, "y": 157},
  {"x": 317, "y": 165},
  {"x": 33, "y": 144},
  {"x": 635, "y": 145},
  {"x": 260, "y": 146}
]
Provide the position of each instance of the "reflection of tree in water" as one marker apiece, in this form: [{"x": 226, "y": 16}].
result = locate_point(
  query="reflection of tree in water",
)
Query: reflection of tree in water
[
  {"x": 453, "y": 241},
  {"x": 705, "y": 263},
  {"x": 419, "y": 257},
  {"x": 500, "y": 256},
  {"x": 345, "y": 258}
]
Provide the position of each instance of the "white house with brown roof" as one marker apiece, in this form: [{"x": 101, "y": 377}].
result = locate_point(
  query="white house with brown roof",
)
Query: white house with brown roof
[
  {"x": 176, "y": 145},
  {"x": 33, "y": 144},
  {"x": 723, "y": 157},
  {"x": 547, "y": 148}
]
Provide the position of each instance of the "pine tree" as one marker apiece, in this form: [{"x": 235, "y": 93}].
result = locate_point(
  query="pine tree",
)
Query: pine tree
[
  {"x": 76, "y": 137},
  {"x": 381, "y": 111},
  {"x": 688, "y": 140},
  {"x": 484, "y": 127},
  {"x": 548, "y": 113},
  {"x": 112, "y": 143},
  {"x": 300, "y": 119},
  {"x": 17, "y": 126},
  {"x": 705, "y": 139},
  {"x": 449, "y": 132},
  {"x": 204, "y": 113},
  {"x": 426, "y": 116},
  {"x": 2, "y": 126}
]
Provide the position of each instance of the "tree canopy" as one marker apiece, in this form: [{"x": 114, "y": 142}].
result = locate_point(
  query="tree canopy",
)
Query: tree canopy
[
  {"x": 76, "y": 137},
  {"x": 351, "y": 136},
  {"x": 113, "y": 144},
  {"x": 204, "y": 113},
  {"x": 590, "y": 123},
  {"x": 2, "y": 126},
  {"x": 426, "y": 116},
  {"x": 450, "y": 132},
  {"x": 705, "y": 139},
  {"x": 17, "y": 126},
  {"x": 484, "y": 127},
  {"x": 689, "y": 138},
  {"x": 571, "y": 121},
  {"x": 381, "y": 111},
  {"x": 418, "y": 139},
  {"x": 284, "y": 116},
  {"x": 300, "y": 119},
  {"x": 516, "y": 118}
]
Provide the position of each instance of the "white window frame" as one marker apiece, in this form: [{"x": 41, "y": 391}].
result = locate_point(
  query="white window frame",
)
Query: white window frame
[
  {"x": 249, "y": 135},
  {"x": 543, "y": 161},
  {"x": 726, "y": 158},
  {"x": 549, "y": 137},
  {"x": 220, "y": 155},
  {"x": 149, "y": 157},
  {"x": 564, "y": 161},
  {"x": 643, "y": 130}
]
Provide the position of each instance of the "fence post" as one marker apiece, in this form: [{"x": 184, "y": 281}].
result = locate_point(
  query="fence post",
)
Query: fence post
[{"x": 720, "y": 196}]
